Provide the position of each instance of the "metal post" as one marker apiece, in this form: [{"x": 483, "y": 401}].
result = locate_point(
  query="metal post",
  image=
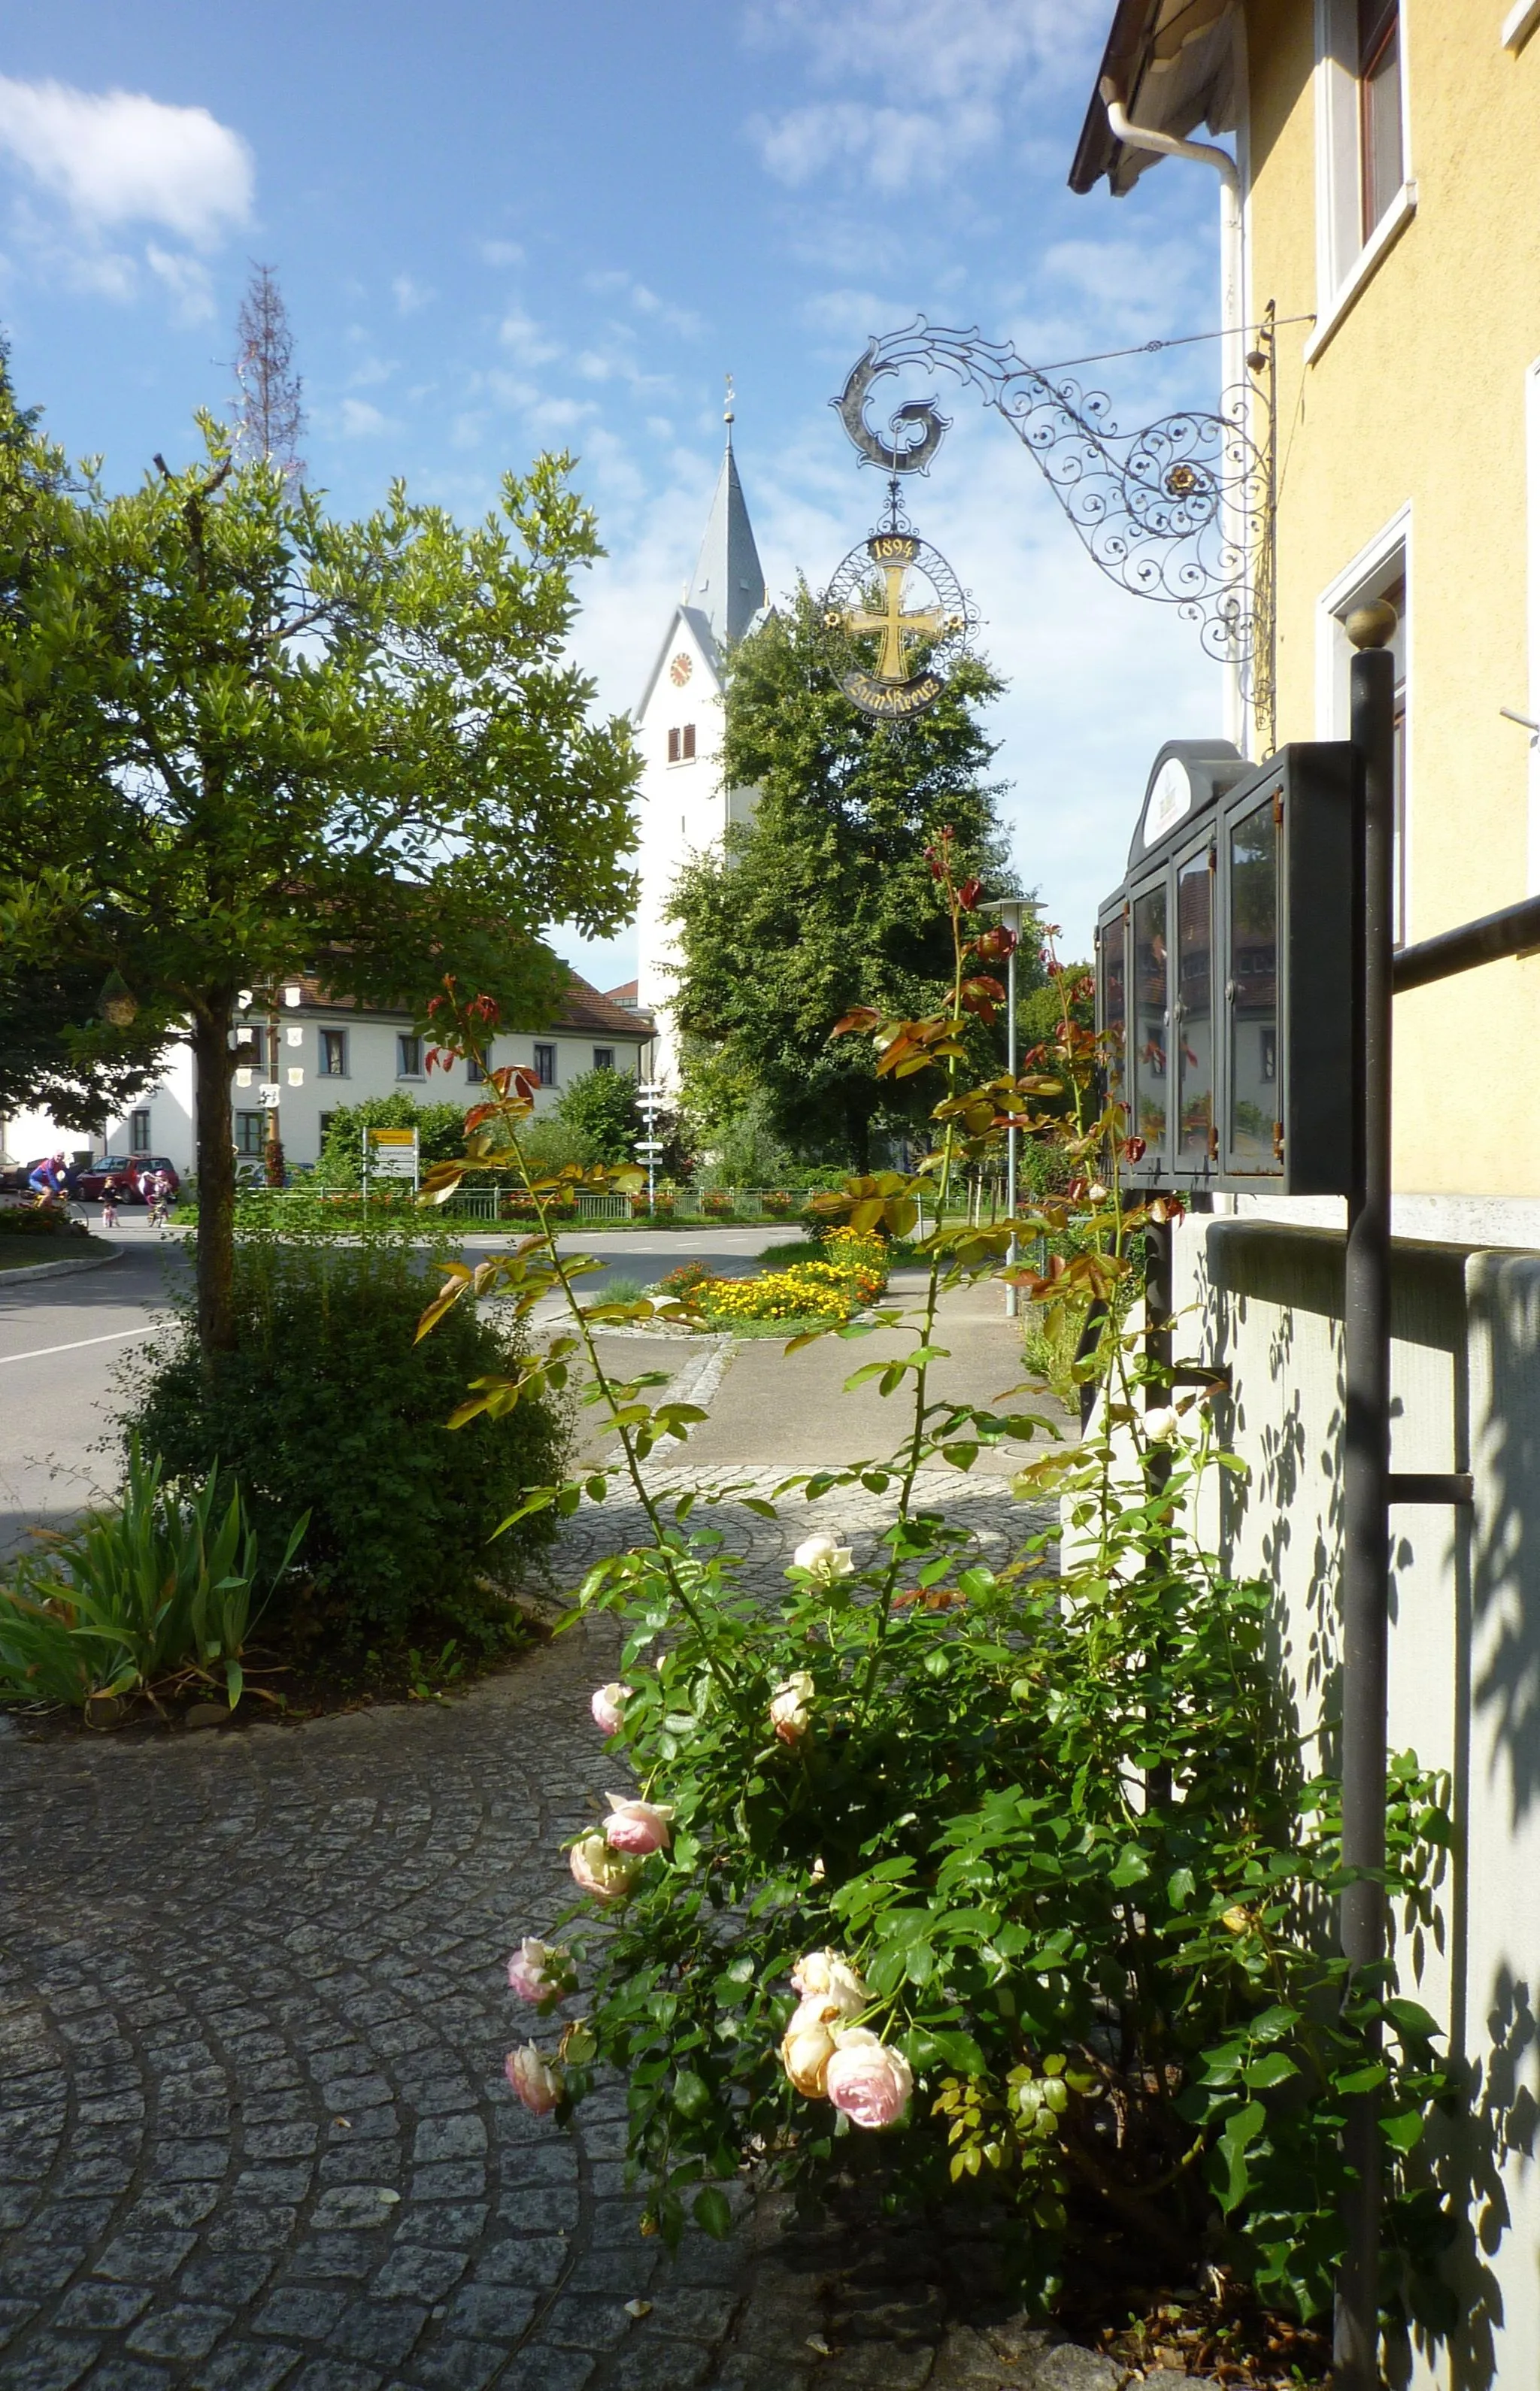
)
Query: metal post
[{"x": 1366, "y": 1475}]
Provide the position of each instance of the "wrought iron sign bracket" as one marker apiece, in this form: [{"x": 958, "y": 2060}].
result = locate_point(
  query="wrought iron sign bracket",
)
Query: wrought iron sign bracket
[{"x": 1181, "y": 511}]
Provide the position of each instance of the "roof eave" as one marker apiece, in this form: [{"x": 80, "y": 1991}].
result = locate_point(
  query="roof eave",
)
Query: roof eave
[{"x": 1099, "y": 150}]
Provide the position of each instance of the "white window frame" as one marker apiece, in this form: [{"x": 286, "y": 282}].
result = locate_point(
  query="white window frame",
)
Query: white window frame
[
  {"x": 248, "y": 1152},
  {"x": 1519, "y": 24},
  {"x": 137, "y": 1146},
  {"x": 547, "y": 1046},
  {"x": 1385, "y": 559},
  {"x": 603, "y": 1059},
  {"x": 326, "y": 1036},
  {"x": 404, "y": 1038},
  {"x": 1345, "y": 261}
]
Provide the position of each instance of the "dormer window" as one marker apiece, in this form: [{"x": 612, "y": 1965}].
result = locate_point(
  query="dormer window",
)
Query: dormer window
[
  {"x": 681, "y": 745},
  {"x": 1381, "y": 170}
]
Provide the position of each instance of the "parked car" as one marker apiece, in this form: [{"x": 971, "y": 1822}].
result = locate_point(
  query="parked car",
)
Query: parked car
[{"x": 130, "y": 1171}]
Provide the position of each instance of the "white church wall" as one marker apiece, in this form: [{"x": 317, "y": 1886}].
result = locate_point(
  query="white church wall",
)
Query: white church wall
[{"x": 680, "y": 807}]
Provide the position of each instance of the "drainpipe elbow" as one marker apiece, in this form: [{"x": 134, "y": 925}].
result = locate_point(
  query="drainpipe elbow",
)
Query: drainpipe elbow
[{"x": 1139, "y": 137}]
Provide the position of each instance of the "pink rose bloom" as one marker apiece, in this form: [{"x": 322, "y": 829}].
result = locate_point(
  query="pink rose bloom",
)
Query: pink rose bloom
[
  {"x": 609, "y": 1706},
  {"x": 608, "y": 1875},
  {"x": 790, "y": 1710},
  {"x": 867, "y": 2081},
  {"x": 823, "y": 1975},
  {"x": 636, "y": 1827},
  {"x": 537, "y": 2082},
  {"x": 539, "y": 1971}
]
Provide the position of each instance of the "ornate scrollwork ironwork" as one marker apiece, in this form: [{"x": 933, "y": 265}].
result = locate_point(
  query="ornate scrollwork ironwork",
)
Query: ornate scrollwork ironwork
[{"x": 1179, "y": 512}]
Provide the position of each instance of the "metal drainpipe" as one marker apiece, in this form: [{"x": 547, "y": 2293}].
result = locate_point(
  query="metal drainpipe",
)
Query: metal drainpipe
[{"x": 1365, "y": 1473}]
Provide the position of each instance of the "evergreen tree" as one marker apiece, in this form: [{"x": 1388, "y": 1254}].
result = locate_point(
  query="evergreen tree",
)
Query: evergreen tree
[{"x": 825, "y": 899}]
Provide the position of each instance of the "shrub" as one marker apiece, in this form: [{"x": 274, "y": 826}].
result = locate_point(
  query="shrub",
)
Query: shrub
[
  {"x": 440, "y": 1132},
  {"x": 996, "y": 1870},
  {"x": 600, "y": 1108},
  {"x": 39, "y": 1221},
  {"x": 138, "y": 1599},
  {"x": 685, "y": 1278},
  {"x": 327, "y": 1405}
]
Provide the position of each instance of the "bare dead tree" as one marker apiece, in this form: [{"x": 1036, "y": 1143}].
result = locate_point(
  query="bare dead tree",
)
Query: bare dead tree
[{"x": 270, "y": 416}]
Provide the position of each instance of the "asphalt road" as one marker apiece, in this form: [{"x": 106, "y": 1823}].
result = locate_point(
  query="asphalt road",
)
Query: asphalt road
[{"x": 67, "y": 1343}]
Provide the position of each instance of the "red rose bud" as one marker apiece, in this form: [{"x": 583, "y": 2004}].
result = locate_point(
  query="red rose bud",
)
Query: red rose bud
[
  {"x": 969, "y": 894},
  {"x": 997, "y": 946},
  {"x": 1078, "y": 1189},
  {"x": 1134, "y": 1149}
]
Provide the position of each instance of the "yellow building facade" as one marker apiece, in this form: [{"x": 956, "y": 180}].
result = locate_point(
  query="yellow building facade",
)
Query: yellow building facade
[
  {"x": 1389, "y": 218},
  {"x": 1379, "y": 172}
]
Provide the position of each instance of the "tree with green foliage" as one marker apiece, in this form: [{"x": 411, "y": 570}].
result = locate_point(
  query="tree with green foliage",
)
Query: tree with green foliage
[
  {"x": 601, "y": 1105},
  {"x": 825, "y": 899},
  {"x": 48, "y": 1066},
  {"x": 240, "y": 738}
]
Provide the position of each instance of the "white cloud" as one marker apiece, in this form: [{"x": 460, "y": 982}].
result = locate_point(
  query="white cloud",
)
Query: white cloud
[
  {"x": 410, "y": 295},
  {"x": 502, "y": 253},
  {"x": 119, "y": 156},
  {"x": 523, "y": 336},
  {"x": 361, "y": 421},
  {"x": 187, "y": 280},
  {"x": 971, "y": 60},
  {"x": 645, "y": 301}
]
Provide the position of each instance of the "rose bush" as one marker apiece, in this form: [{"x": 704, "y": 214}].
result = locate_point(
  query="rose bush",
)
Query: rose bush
[{"x": 981, "y": 1868}]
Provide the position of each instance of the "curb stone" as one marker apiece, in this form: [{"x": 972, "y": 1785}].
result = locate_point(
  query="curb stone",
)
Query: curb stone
[{"x": 59, "y": 1270}]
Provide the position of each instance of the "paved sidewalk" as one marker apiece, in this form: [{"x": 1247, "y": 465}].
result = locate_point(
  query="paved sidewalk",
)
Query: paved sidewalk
[{"x": 253, "y": 2128}]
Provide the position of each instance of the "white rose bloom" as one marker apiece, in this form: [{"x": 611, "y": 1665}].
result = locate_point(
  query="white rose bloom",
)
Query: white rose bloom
[
  {"x": 825, "y": 1976},
  {"x": 824, "y": 1559},
  {"x": 1160, "y": 1423}
]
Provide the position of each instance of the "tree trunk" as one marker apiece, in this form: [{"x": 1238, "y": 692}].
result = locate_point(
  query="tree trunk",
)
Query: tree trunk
[
  {"x": 213, "y": 1063},
  {"x": 859, "y": 1129}
]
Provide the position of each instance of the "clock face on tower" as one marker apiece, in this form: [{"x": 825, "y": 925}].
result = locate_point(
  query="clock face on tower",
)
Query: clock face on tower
[{"x": 680, "y": 669}]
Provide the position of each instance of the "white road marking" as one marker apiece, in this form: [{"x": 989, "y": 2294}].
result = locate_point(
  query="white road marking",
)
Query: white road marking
[{"x": 112, "y": 1337}]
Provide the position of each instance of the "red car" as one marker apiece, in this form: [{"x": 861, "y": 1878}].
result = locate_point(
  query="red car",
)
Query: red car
[{"x": 130, "y": 1171}]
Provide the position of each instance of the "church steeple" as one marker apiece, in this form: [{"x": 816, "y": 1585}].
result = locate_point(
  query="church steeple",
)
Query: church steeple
[{"x": 728, "y": 586}]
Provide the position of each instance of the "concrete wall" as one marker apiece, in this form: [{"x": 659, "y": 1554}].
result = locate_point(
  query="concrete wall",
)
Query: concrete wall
[{"x": 1265, "y": 1298}]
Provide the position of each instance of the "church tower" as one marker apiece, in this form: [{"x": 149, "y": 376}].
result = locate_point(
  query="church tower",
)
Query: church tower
[{"x": 683, "y": 808}]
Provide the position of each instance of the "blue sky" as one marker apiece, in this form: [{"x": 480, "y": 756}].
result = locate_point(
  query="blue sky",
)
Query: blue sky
[{"x": 503, "y": 227}]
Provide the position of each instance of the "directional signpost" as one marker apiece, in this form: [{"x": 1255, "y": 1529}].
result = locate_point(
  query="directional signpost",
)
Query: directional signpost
[
  {"x": 390, "y": 1154},
  {"x": 651, "y": 1097}
]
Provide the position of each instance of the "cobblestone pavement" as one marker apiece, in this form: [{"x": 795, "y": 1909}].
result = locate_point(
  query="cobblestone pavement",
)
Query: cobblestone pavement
[{"x": 253, "y": 2128}]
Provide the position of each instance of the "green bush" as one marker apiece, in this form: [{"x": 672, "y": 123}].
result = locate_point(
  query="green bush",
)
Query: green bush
[
  {"x": 440, "y": 1134},
  {"x": 600, "y": 1106},
  {"x": 328, "y": 1406},
  {"x": 162, "y": 1590},
  {"x": 32, "y": 1221}
]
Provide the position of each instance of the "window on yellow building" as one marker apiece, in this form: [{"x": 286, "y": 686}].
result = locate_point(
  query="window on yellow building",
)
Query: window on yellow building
[{"x": 1380, "y": 165}]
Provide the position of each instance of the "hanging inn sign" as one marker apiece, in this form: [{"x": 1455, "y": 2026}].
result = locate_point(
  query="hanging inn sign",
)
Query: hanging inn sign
[
  {"x": 1179, "y": 512},
  {"x": 869, "y": 597}
]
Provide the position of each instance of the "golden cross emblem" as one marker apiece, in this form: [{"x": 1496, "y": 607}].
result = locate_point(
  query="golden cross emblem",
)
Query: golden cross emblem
[{"x": 894, "y": 552}]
